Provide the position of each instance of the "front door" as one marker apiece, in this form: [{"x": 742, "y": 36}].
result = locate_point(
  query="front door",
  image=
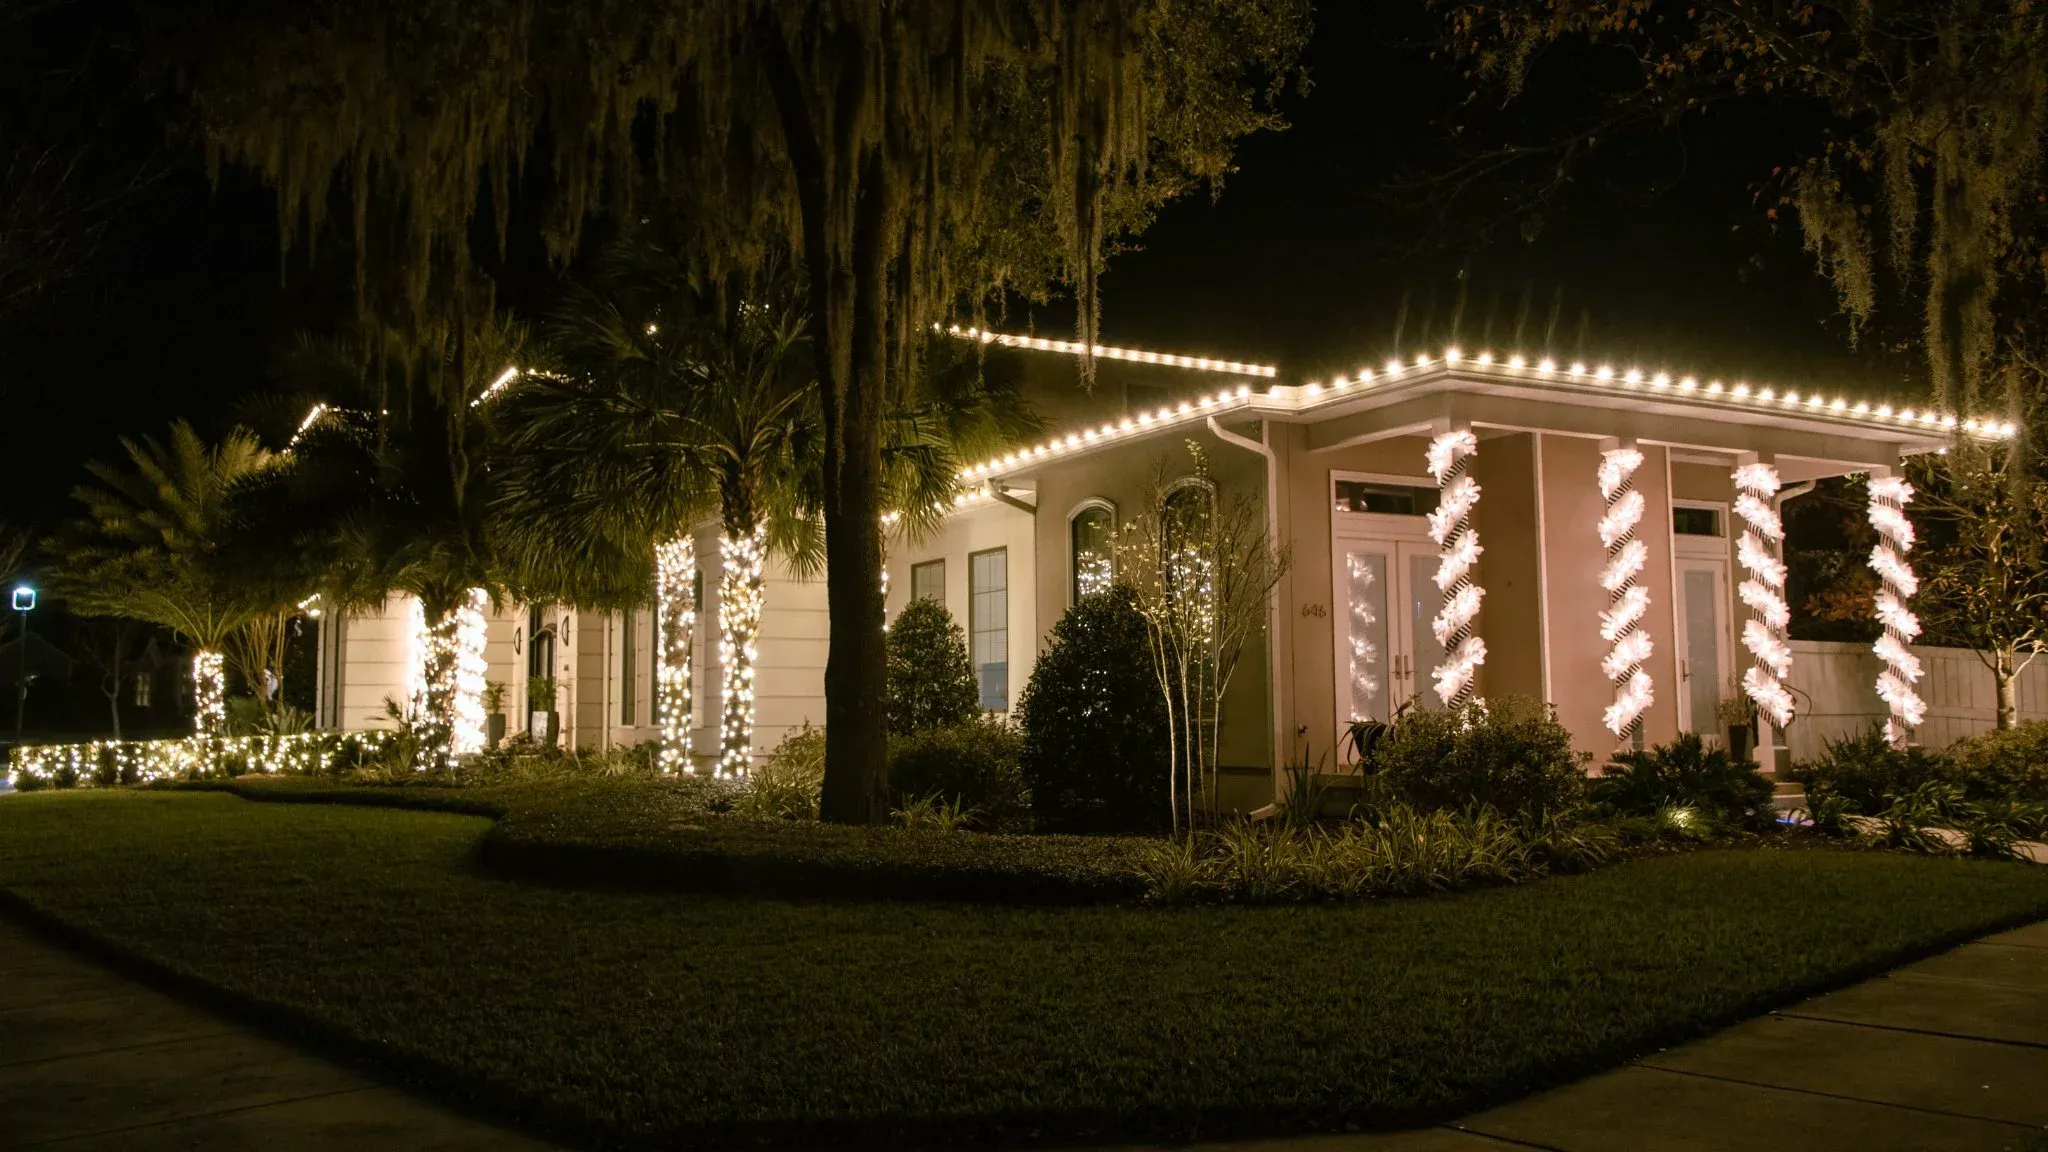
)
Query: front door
[{"x": 1704, "y": 657}]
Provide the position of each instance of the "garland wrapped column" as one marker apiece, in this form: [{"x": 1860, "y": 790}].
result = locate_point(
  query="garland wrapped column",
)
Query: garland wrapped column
[
  {"x": 1628, "y": 600},
  {"x": 1451, "y": 527},
  {"x": 1763, "y": 591},
  {"x": 1889, "y": 496},
  {"x": 675, "y": 612},
  {"x": 739, "y": 635}
]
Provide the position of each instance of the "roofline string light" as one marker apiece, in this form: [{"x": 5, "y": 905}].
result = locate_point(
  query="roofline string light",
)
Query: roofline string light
[
  {"x": 1889, "y": 496},
  {"x": 1106, "y": 352},
  {"x": 1628, "y": 599}
]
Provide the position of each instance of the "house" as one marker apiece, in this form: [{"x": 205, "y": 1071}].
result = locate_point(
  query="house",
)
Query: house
[{"x": 1604, "y": 538}]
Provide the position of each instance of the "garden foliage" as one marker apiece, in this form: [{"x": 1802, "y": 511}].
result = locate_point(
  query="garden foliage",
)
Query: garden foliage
[
  {"x": 1509, "y": 753},
  {"x": 1685, "y": 775},
  {"x": 1093, "y": 722},
  {"x": 931, "y": 681},
  {"x": 973, "y": 767}
]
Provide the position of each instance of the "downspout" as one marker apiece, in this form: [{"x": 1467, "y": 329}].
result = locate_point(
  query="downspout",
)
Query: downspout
[{"x": 1264, "y": 447}]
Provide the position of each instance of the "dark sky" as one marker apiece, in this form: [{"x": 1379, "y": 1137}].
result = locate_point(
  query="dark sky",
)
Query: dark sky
[{"x": 1657, "y": 254}]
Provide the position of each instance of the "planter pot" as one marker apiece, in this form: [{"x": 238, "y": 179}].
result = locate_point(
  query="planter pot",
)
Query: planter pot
[
  {"x": 544, "y": 727},
  {"x": 1739, "y": 741},
  {"x": 494, "y": 729}
]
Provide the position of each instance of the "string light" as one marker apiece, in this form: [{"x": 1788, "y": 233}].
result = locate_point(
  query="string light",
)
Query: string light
[
  {"x": 1764, "y": 592},
  {"x": 209, "y": 694},
  {"x": 1104, "y": 352},
  {"x": 145, "y": 761},
  {"x": 1889, "y": 496},
  {"x": 503, "y": 382},
  {"x": 740, "y": 593},
  {"x": 1629, "y": 601},
  {"x": 445, "y": 679},
  {"x": 675, "y": 612},
  {"x": 1450, "y": 526}
]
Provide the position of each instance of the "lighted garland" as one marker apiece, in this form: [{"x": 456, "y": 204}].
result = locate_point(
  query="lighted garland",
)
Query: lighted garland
[
  {"x": 675, "y": 565},
  {"x": 209, "y": 694},
  {"x": 1889, "y": 496},
  {"x": 92, "y": 763},
  {"x": 1450, "y": 526},
  {"x": 1628, "y": 600},
  {"x": 739, "y": 631},
  {"x": 1763, "y": 591}
]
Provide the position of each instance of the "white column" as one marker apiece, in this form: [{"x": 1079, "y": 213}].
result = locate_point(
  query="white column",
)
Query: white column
[
  {"x": 1628, "y": 600},
  {"x": 1889, "y": 496},
  {"x": 1451, "y": 527}
]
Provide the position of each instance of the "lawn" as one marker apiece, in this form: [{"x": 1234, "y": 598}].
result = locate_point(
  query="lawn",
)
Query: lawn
[{"x": 650, "y": 1018}]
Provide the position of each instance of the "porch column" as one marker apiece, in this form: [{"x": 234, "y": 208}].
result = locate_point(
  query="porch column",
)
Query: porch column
[
  {"x": 1458, "y": 545},
  {"x": 1763, "y": 591},
  {"x": 1889, "y": 496},
  {"x": 1628, "y": 600}
]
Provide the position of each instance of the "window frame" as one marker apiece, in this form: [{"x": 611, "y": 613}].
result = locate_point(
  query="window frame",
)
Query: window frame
[
  {"x": 1003, "y": 625},
  {"x": 940, "y": 564}
]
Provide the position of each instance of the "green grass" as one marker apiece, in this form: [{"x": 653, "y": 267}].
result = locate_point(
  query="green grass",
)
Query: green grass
[{"x": 651, "y": 1018}]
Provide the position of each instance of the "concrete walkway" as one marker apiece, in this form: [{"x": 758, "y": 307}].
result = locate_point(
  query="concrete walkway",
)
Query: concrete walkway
[
  {"x": 92, "y": 1060},
  {"x": 1949, "y": 1053}
]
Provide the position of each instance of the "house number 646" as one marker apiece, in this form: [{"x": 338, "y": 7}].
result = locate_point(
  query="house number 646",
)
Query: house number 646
[{"x": 1314, "y": 610}]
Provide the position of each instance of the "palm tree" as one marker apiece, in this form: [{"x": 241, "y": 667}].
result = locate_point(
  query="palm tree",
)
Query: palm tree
[
  {"x": 389, "y": 490},
  {"x": 154, "y": 545},
  {"x": 684, "y": 398}
]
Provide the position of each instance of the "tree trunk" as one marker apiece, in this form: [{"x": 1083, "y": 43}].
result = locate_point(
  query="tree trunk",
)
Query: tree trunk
[
  {"x": 114, "y": 708},
  {"x": 2008, "y": 689},
  {"x": 675, "y": 564},
  {"x": 739, "y": 633}
]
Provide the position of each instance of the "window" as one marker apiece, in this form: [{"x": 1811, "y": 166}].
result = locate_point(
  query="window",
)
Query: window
[
  {"x": 1696, "y": 521},
  {"x": 1094, "y": 560},
  {"x": 988, "y": 625},
  {"x": 1385, "y": 499},
  {"x": 629, "y": 671},
  {"x": 1186, "y": 524},
  {"x": 928, "y": 581}
]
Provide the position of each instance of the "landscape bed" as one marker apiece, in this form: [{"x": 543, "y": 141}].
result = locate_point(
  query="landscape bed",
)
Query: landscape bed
[{"x": 648, "y": 1018}]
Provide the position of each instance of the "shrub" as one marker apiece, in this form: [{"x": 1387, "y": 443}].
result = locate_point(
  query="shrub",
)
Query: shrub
[
  {"x": 788, "y": 785},
  {"x": 1094, "y": 724},
  {"x": 1865, "y": 771},
  {"x": 1510, "y": 754},
  {"x": 1688, "y": 775},
  {"x": 2008, "y": 765},
  {"x": 931, "y": 682},
  {"x": 972, "y": 766}
]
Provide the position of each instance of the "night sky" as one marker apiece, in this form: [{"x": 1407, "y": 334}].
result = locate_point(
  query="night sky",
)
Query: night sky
[{"x": 1324, "y": 252}]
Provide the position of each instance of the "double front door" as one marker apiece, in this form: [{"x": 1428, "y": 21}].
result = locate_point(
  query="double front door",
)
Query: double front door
[{"x": 1385, "y": 598}]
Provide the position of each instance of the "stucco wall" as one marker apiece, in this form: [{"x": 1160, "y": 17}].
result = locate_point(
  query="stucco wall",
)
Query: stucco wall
[{"x": 374, "y": 655}]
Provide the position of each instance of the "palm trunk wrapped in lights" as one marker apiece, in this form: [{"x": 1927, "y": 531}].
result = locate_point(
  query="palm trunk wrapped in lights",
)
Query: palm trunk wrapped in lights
[
  {"x": 1628, "y": 600},
  {"x": 739, "y": 630},
  {"x": 1763, "y": 591},
  {"x": 209, "y": 695},
  {"x": 675, "y": 566},
  {"x": 1451, "y": 527},
  {"x": 1889, "y": 496},
  {"x": 447, "y": 677}
]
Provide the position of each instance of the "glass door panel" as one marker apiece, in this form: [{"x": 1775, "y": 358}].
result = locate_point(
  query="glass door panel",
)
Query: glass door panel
[
  {"x": 1367, "y": 642},
  {"x": 1702, "y": 648},
  {"x": 1424, "y": 601}
]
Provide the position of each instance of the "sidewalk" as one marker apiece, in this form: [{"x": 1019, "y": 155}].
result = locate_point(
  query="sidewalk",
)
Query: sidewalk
[
  {"x": 92, "y": 1060},
  {"x": 1949, "y": 1053}
]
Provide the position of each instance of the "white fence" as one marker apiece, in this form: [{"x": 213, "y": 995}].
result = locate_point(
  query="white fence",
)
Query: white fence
[{"x": 1833, "y": 683}]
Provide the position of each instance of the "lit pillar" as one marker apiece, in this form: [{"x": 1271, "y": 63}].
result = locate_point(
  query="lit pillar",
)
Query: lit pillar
[
  {"x": 1458, "y": 544},
  {"x": 1889, "y": 496},
  {"x": 209, "y": 694},
  {"x": 446, "y": 674},
  {"x": 1628, "y": 600},
  {"x": 1763, "y": 591},
  {"x": 739, "y": 632},
  {"x": 675, "y": 611}
]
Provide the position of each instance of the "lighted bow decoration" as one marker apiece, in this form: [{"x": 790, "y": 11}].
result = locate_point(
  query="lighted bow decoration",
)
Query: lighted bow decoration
[
  {"x": 1889, "y": 496},
  {"x": 1451, "y": 527},
  {"x": 1628, "y": 600},
  {"x": 1763, "y": 591}
]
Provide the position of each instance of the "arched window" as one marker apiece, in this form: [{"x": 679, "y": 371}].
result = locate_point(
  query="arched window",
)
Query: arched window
[
  {"x": 1184, "y": 531},
  {"x": 1090, "y": 532}
]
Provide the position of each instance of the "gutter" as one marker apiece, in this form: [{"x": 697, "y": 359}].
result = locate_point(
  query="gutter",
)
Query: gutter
[{"x": 1264, "y": 447}]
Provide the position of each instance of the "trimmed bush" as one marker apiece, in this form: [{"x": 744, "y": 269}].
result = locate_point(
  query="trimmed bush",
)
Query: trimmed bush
[
  {"x": 972, "y": 765},
  {"x": 1685, "y": 774},
  {"x": 2008, "y": 765},
  {"x": 1094, "y": 725},
  {"x": 1510, "y": 754},
  {"x": 1866, "y": 772},
  {"x": 931, "y": 681},
  {"x": 790, "y": 785}
]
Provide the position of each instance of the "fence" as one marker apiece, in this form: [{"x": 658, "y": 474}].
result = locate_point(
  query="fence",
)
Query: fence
[{"x": 1833, "y": 684}]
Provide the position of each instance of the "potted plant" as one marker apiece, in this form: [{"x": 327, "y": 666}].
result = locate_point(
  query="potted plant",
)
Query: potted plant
[
  {"x": 1738, "y": 716},
  {"x": 543, "y": 723},
  {"x": 494, "y": 712}
]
